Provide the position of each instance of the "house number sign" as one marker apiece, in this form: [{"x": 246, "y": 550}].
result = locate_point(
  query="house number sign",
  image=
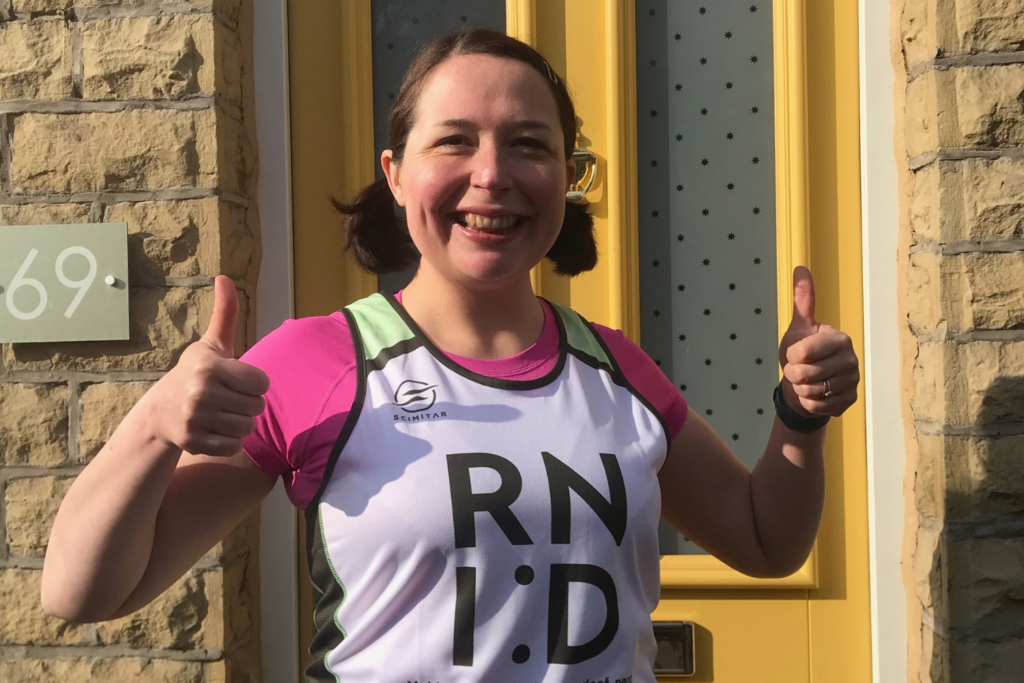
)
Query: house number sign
[{"x": 63, "y": 282}]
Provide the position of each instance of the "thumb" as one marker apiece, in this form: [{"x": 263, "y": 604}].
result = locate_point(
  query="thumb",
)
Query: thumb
[
  {"x": 803, "y": 299},
  {"x": 221, "y": 332}
]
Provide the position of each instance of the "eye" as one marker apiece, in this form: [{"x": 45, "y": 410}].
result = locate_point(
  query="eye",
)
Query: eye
[
  {"x": 531, "y": 142},
  {"x": 451, "y": 141}
]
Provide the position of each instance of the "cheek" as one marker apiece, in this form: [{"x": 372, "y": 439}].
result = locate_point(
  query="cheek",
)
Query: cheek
[{"x": 433, "y": 186}]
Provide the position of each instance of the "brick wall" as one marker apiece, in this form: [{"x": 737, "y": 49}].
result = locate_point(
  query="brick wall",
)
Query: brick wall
[
  {"x": 961, "y": 114},
  {"x": 138, "y": 112}
]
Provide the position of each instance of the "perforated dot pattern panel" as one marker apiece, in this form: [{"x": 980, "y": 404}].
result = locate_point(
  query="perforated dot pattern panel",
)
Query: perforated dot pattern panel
[{"x": 707, "y": 213}]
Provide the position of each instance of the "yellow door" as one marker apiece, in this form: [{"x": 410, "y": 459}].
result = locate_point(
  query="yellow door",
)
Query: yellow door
[{"x": 815, "y": 625}]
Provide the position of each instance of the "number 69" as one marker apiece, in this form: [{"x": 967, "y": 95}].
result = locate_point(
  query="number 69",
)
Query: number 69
[{"x": 21, "y": 281}]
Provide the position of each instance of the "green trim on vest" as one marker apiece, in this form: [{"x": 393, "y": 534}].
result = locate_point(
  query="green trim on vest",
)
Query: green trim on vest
[
  {"x": 379, "y": 324},
  {"x": 579, "y": 335}
]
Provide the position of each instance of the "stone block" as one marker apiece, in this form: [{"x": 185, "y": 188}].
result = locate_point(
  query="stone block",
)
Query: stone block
[
  {"x": 928, "y": 571},
  {"x": 934, "y": 666},
  {"x": 188, "y": 615},
  {"x": 31, "y": 508},
  {"x": 24, "y": 621},
  {"x": 34, "y": 428},
  {"x": 984, "y": 477},
  {"x": 119, "y": 670},
  {"x": 102, "y": 408},
  {"x": 993, "y": 290},
  {"x": 990, "y": 25},
  {"x": 44, "y": 214},
  {"x": 162, "y": 57},
  {"x": 976, "y": 200},
  {"x": 986, "y": 662},
  {"x": 992, "y": 199},
  {"x": 925, "y": 294},
  {"x": 930, "y": 477},
  {"x": 974, "y": 106},
  {"x": 920, "y": 120},
  {"x": 940, "y": 387},
  {"x": 126, "y": 150},
  {"x": 918, "y": 31},
  {"x": 925, "y": 214},
  {"x": 36, "y": 62},
  {"x": 990, "y": 105},
  {"x": 969, "y": 383},
  {"x": 986, "y": 586},
  {"x": 184, "y": 239},
  {"x": 163, "y": 322},
  {"x": 994, "y": 378}
]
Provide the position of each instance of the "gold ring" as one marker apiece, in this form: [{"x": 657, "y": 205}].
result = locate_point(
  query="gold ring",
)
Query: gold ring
[{"x": 828, "y": 389}]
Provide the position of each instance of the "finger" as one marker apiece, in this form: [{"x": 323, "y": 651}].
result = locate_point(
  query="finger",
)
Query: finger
[
  {"x": 220, "y": 334},
  {"x": 833, "y": 405},
  {"x": 803, "y": 298},
  {"x": 826, "y": 368},
  {"x": 837, "y": 384},
  {"x": 221, "y": 399},
  {"x": 818, "y": 346},
  {"x": 231, "y": 425},
  {"x": 242, "y": 377}
]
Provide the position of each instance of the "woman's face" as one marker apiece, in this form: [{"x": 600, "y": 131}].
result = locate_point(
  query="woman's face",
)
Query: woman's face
[{"x": 484, "y": 176}]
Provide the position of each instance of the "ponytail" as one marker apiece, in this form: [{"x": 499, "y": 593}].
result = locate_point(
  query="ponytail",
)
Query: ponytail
[
  {"x": 375, "y": 236},
  {"x": 575, "y": 250}
]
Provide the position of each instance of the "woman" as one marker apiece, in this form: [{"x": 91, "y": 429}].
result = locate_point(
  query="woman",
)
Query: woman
[{"x": 482, "y": 472}]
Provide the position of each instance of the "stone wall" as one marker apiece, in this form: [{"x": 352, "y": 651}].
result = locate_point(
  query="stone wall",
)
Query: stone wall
[
  {"x": 140, "y": 112},
  {"x": 960, "y": 111}
]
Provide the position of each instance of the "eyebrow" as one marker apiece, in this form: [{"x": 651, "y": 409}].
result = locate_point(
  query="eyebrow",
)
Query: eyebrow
[{"x": 460, "y": 123}]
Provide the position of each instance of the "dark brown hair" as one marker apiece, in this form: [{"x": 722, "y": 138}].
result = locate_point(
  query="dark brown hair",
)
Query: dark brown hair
[{"x": 375, "y": 235}]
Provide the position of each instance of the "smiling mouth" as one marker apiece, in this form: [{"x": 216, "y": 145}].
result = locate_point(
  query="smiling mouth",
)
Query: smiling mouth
[{"x": 494, "y": 225}]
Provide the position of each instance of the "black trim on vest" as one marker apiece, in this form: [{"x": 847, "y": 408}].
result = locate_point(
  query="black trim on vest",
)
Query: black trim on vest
[
  {"x": 353, "y": 414},
  {"x": 327, "y": 603},
  {"x": 400, "y": 349},
  {"x": 328, "y": 600},
  {"x": 494, "y": 383}
]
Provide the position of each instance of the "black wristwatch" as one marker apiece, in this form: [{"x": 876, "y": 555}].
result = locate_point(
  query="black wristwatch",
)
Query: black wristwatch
[{"x": 793, "y": 419}]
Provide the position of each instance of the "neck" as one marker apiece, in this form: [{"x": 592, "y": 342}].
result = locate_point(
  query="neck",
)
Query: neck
[{"x": 474, "y": 322}]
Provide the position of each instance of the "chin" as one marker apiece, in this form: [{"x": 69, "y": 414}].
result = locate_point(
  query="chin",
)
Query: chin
[{"x": 491, "y": 271}]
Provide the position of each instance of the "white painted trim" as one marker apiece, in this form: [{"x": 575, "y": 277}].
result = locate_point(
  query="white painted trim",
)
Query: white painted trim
[
  {"x": 279, "y": 607},
  {"x": 886, "y": 453}
]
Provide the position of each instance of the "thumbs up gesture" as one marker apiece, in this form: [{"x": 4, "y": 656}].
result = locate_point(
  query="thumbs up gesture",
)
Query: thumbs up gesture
[
  {"x": 207, "y": 402},
  {"x": 819, "y": 366}
]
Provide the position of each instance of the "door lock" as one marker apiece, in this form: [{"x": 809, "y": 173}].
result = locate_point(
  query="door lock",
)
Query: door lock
[{"x": 675, "y": 648}]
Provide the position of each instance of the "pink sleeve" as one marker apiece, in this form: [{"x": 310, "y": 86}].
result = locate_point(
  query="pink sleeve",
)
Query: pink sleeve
[
  {"x": 311, "y": 366},
  {"x": 647, "y": 378}
]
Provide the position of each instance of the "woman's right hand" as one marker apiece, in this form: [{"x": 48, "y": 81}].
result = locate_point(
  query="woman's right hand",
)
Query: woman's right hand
[
  {"x": 207, "y": 402},
  {"x": 152, "y": 501}
]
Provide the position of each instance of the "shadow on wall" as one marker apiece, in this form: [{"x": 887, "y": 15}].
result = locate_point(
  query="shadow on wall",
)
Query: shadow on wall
[{"x": 973, "y": 591}]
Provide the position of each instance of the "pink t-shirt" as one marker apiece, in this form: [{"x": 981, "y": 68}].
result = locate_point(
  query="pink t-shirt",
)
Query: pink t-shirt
[{"x": 312, "y": 368}]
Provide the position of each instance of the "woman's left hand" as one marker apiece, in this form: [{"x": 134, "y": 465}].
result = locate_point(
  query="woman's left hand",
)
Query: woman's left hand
[{"x": 819, "y": 366}]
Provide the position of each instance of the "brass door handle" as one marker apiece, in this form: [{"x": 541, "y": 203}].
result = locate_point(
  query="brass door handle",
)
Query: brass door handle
[{"x": 586, "y": 171}]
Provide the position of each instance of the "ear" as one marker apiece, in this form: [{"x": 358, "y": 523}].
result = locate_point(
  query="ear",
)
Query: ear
[
  {"x": 391, "y": 172},
  {"x": 570, "y": 170}
]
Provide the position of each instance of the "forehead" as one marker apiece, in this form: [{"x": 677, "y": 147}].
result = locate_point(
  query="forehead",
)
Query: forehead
[{"x": 485, "y": 86}]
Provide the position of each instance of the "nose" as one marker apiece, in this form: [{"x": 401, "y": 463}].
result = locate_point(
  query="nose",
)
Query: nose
[{"x": 491, "y": 170}]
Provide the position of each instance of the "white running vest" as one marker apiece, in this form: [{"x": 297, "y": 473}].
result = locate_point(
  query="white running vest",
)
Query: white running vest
[{"x": 476, "y": 529}]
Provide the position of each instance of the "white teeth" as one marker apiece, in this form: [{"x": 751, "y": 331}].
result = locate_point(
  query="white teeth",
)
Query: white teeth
[{"x": 474, "y": 220}]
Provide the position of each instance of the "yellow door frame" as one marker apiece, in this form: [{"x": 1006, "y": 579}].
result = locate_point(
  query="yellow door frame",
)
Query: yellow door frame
[{"x": 818, "y": 224}]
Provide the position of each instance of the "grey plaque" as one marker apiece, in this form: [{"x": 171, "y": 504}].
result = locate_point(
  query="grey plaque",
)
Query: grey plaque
[{"x": 64, "y": 282}]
